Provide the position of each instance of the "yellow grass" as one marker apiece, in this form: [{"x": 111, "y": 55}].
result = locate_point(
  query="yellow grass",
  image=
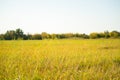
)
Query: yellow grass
[{"x": 97, "y": 59}]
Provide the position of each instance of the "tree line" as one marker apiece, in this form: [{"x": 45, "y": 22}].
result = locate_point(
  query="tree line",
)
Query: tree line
[{"x": 18, "y": 34}]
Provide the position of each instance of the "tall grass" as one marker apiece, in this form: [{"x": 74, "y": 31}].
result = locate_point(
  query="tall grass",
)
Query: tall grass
[{"x": 97, "y": 59}]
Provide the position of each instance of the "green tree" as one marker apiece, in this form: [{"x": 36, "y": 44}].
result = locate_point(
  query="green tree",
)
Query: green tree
[
  {"x": 101, "y": 35},
  {"x": 106, "y": 33},
  {"x": 62, "y": 36},
  {"x": 58, "y": 36},
  {"x": 45, "y": 35},
  {"x": 114, "y": 34},
  {"x": 1, "y": 36},
  {"x": 68, "y": 35},
  {"x": 25, "y": 37},
  {"x": 10, "y": 35},
  {"x": 94, "y": 35},
  {"x": 37, "y": 37},
  {"x": 84, "y": 36},
  {"x": 53, "y": 36},
  {"x": 19, "y": 33},
  {"x": 29, "y": 36},
  {"x": 76, "y": 35}
]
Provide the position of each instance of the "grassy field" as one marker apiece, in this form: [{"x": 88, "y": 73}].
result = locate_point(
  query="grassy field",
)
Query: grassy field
[{"x": 97, "y": 59}]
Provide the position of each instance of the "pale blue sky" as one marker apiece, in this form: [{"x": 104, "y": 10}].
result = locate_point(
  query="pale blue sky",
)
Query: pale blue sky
[{"x": 60, "y": 16}]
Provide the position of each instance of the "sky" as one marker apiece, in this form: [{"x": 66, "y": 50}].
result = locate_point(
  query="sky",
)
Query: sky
[{"x": 60, "y": 16}]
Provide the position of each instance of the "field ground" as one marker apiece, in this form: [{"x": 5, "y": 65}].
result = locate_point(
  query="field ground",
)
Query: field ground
[{"x": 97, "y": 59}]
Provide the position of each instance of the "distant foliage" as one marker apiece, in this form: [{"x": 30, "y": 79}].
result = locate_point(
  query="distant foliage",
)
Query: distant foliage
[
  {"x": 94, "y": 35},
  {"x": 107, "y": 34},
  {"x": 18, "y": 34},
  {"x": 36, "y": 37},
  {"x": 44, "y": 35},
  {"x": 114, "y": 34}
]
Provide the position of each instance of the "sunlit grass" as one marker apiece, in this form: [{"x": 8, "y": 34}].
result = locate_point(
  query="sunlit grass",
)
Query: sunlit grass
[{"x": 97, "y": 59}]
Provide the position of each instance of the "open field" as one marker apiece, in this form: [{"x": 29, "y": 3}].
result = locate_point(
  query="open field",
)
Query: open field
[{"x": 97, "y": 59}]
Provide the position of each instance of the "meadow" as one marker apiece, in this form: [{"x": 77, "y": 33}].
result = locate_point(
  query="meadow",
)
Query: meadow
[{"x": 67, "y": 59}]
